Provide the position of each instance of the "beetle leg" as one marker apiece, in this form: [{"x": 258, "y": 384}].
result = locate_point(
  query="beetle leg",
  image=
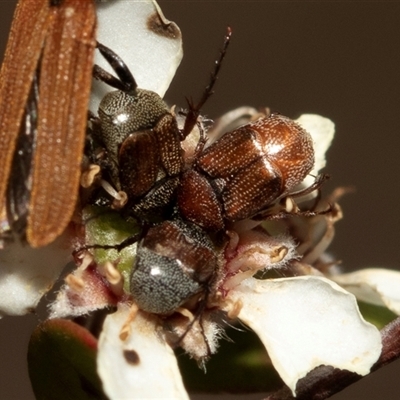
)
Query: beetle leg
[
  {"x": 126, "y": 81},
  {"x": 280, "y": 211},
  {"x": 316, "y": 185},
  {"x": 194, "y": 109},
  {"x": 268, "y": 215},
  {"x": 201, "y": 143},
  {"x": 195, "y": 319}
]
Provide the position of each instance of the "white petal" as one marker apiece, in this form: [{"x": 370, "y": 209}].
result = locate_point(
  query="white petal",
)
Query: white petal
[
  {"x": 230, "y": 121},
  {"x": 373, "y": 285},
  {"x": 26, "y": 274},
  {"x": 305, "y": 322},
  {"x": 152, "y": 57},
  {"x": 142, "y": 366},
  {"x": 322, "y": 131}
]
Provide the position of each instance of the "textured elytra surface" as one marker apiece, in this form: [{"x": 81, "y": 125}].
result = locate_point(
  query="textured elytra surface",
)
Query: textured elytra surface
[
  {"x": 288, "y": 146},
  {"x": 137, "y": 158},
  {"x": 252, "y": 189},
  {"x": 173, "y": 262},
  {"x": 62, "y": 38},
  {"x": 198, "y": 202},
  {"x": 255, "y": 164},
  {"x": 158, "y": 284}
]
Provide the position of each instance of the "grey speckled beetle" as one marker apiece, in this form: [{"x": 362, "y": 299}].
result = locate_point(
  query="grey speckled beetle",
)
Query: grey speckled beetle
[{"x": 175, "y": 261}]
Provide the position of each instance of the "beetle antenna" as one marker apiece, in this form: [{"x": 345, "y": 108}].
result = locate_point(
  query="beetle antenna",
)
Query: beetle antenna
[
  {"x": 126, "y": 81},
  {"x": 194, "y": 109}
]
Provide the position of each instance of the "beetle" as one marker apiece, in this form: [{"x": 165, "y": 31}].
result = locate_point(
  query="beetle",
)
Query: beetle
[
  {"x": 245, "y": 172},
  {"x": 175, "y": 262},
  {"x": 45, "y": 83},
  {"x": 141, "y": 137}
]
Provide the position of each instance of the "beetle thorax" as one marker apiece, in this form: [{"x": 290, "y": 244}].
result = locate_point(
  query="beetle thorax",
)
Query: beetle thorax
[{"x": 122, "y": 114}]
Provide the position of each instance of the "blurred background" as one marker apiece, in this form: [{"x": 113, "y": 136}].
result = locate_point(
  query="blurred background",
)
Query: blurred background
[{"x": 336, "y": 59}]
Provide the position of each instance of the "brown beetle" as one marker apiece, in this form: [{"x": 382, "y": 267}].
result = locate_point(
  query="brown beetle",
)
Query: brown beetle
[
  {"x": 45, "y": 85},
  {"x": 246, "y": 171}
]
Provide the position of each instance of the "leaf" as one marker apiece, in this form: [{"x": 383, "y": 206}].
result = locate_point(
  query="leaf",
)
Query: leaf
[
  {"x": 62, "y": 362},
  {"x": 377, "y": 315},
  {"x": 242, "y": 355}
]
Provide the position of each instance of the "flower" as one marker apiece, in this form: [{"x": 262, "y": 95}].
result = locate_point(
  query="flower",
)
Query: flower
[
  {"x": 26, "y": 274},
  {"x": 300, "y": 320},
  {"x": 303, "y": 321}
]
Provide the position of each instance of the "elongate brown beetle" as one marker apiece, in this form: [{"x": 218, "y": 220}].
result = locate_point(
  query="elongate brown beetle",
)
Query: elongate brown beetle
[{"x": 45, "y": 84}]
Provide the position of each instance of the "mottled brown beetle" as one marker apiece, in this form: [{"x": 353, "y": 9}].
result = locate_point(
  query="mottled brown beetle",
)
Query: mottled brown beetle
[
  {"x": 246, "y": 171},
  {"x": 141, "y": 137}
]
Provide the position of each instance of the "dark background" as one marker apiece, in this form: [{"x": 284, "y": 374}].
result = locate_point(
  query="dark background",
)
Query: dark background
[{"x": 337, "y": 59}]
